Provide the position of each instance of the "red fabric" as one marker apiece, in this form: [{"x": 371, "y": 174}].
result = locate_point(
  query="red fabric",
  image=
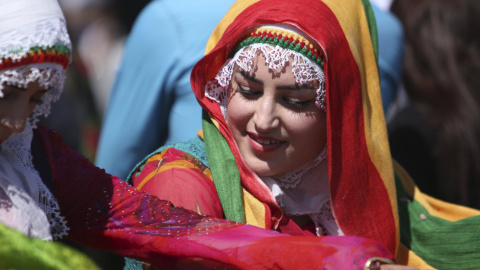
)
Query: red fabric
[
  {"x": 355, "y": 184},
  {"x": 184, "y": 186},
  {"x": 288, "y": 226},
  {"x": 104, "y": 212}
]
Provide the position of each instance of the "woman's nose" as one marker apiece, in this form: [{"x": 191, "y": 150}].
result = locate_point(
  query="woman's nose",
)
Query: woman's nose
[{"x": 265, "y": 117}]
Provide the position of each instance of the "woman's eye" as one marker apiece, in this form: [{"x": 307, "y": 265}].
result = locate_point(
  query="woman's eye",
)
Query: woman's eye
[
  {"x": 297, "y": 104},
  {"x": 247, "y": 92},
  {"x": 38, "y": 101},
  {"x": 37, "y": 98}
]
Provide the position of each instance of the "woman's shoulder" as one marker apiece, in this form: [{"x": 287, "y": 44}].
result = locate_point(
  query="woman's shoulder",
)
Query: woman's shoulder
[
  {"x": 179, "y": 173},
  {"x": 193, "y": 150}
]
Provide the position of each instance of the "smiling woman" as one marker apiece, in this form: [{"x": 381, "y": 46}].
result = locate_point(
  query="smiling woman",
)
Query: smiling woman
[
  {"x": 294, "y": 138},
  {"x": 48, "y": 191}
]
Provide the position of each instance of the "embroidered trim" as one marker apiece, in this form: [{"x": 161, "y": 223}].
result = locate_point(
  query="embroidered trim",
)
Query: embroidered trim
[
  {"x": 292, "y": 178},
  {"x": 58, "y": 54},
  {"x": 303, "y": 69},
  {"x": 48, "y": 75},
  {"x": 284, "y": 39}
]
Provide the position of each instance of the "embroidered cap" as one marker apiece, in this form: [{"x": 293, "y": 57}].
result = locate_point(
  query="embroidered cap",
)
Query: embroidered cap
[{"x": 34, "y": 46}]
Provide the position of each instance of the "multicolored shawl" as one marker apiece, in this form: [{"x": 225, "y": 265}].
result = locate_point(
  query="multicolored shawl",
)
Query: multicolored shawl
[{"x": 361, "y": 171}]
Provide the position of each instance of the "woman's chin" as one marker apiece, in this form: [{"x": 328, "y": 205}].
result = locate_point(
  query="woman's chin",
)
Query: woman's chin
[{"x": 263, "y": 169}]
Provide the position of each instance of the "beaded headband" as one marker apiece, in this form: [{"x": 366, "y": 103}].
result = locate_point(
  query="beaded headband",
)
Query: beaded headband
[
  {"x": 57, "y": 54},
  {"x": 283, "y": 38}
]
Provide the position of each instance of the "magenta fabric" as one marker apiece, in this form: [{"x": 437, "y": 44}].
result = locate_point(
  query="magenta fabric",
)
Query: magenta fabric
[{"x": 104, "y": 212}]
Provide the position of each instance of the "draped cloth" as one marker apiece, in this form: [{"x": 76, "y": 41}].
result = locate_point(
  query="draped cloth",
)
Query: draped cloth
[
  {"x": 364, "y": 182},
  {"x": 361, "y": 173}
]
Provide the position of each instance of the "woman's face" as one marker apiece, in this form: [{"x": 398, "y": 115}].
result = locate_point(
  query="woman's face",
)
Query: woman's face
[
  {"x": 16, "y": 106},
  {"x": 274, "y": 120}
]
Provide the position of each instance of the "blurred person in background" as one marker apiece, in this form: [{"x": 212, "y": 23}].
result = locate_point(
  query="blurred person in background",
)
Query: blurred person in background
[
  {"x": 390, "y": 56},
  {"x": 99, "y": 28},
  {"x": 152, "y": 103},
  {"x": 437, "y": 136}
]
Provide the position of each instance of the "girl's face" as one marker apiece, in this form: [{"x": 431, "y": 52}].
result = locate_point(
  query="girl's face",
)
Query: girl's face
[
  {"x": 274, "y": 120},
  {"x": 16, "y": 106}
]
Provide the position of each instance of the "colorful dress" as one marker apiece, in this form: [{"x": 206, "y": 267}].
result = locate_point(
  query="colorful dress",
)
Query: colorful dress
[
  {"x": 370, "y": 195},
  {"x": 48, "y": 191},
  {"x": 104, "y": 212}
]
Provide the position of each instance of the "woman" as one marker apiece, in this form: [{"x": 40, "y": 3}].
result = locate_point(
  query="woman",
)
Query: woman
[
  {"x": 294, "y": 137},
  {"x": 48, "y": 191}
]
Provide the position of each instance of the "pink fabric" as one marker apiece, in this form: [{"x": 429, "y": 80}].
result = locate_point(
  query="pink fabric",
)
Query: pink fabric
[{"x": 104, "y": 212}]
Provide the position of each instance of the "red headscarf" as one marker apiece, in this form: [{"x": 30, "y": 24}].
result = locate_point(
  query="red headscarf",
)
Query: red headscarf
[{"x": 360, "y": 166}]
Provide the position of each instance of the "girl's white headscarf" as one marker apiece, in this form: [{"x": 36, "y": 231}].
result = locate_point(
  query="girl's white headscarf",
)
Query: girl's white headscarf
[
  {"x": 26, "y": 24},
  {"x": 26, "y": 204}
]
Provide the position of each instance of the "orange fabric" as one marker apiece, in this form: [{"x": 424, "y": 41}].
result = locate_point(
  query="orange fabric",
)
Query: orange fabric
[
  {"x": 173, "y": 170},
  {"x": 408, "y": 257}
]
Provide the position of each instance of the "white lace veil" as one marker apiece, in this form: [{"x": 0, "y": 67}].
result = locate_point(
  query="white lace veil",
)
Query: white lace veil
[
  {"x": 304, "y": 69},
  {"x": 26, "y": 204}
]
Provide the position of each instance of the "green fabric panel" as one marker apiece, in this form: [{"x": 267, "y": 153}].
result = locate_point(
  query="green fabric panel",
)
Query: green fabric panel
[
  {"x": 440, "y": 243},
  {"x": 224, "y": 171},
  {"x": 18, "y": 251},
  {"x": 372, "y": 25}
]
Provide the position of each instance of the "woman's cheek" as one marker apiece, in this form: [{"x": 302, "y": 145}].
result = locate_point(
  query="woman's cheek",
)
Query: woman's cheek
[{"x": 235, "y": 113}]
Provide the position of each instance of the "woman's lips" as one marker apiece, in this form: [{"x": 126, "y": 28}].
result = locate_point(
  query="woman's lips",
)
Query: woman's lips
[{"x": 264, "y": 144}]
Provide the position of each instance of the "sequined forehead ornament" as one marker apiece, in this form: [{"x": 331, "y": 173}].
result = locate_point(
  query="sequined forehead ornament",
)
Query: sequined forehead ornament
[{"x": 279, "y": 45}]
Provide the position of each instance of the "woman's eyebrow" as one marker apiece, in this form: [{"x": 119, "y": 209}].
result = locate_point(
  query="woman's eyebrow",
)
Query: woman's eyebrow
[
  {"x": 43, "y": 91},
  {"x": 281, "y": 87},
  {"x": 250, "y": 77},
  {"x": 297, "y": 87}
]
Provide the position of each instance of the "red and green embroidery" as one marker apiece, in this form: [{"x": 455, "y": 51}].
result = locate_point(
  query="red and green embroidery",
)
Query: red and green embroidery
[
  {"x": 58, "y": 54},
  {"x": 284, "y": 39}
]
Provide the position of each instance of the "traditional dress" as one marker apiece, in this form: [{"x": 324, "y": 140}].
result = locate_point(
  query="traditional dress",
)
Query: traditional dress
[
  {"x": 367, "y": 193},
  {"x": 48, "y": 191}
]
